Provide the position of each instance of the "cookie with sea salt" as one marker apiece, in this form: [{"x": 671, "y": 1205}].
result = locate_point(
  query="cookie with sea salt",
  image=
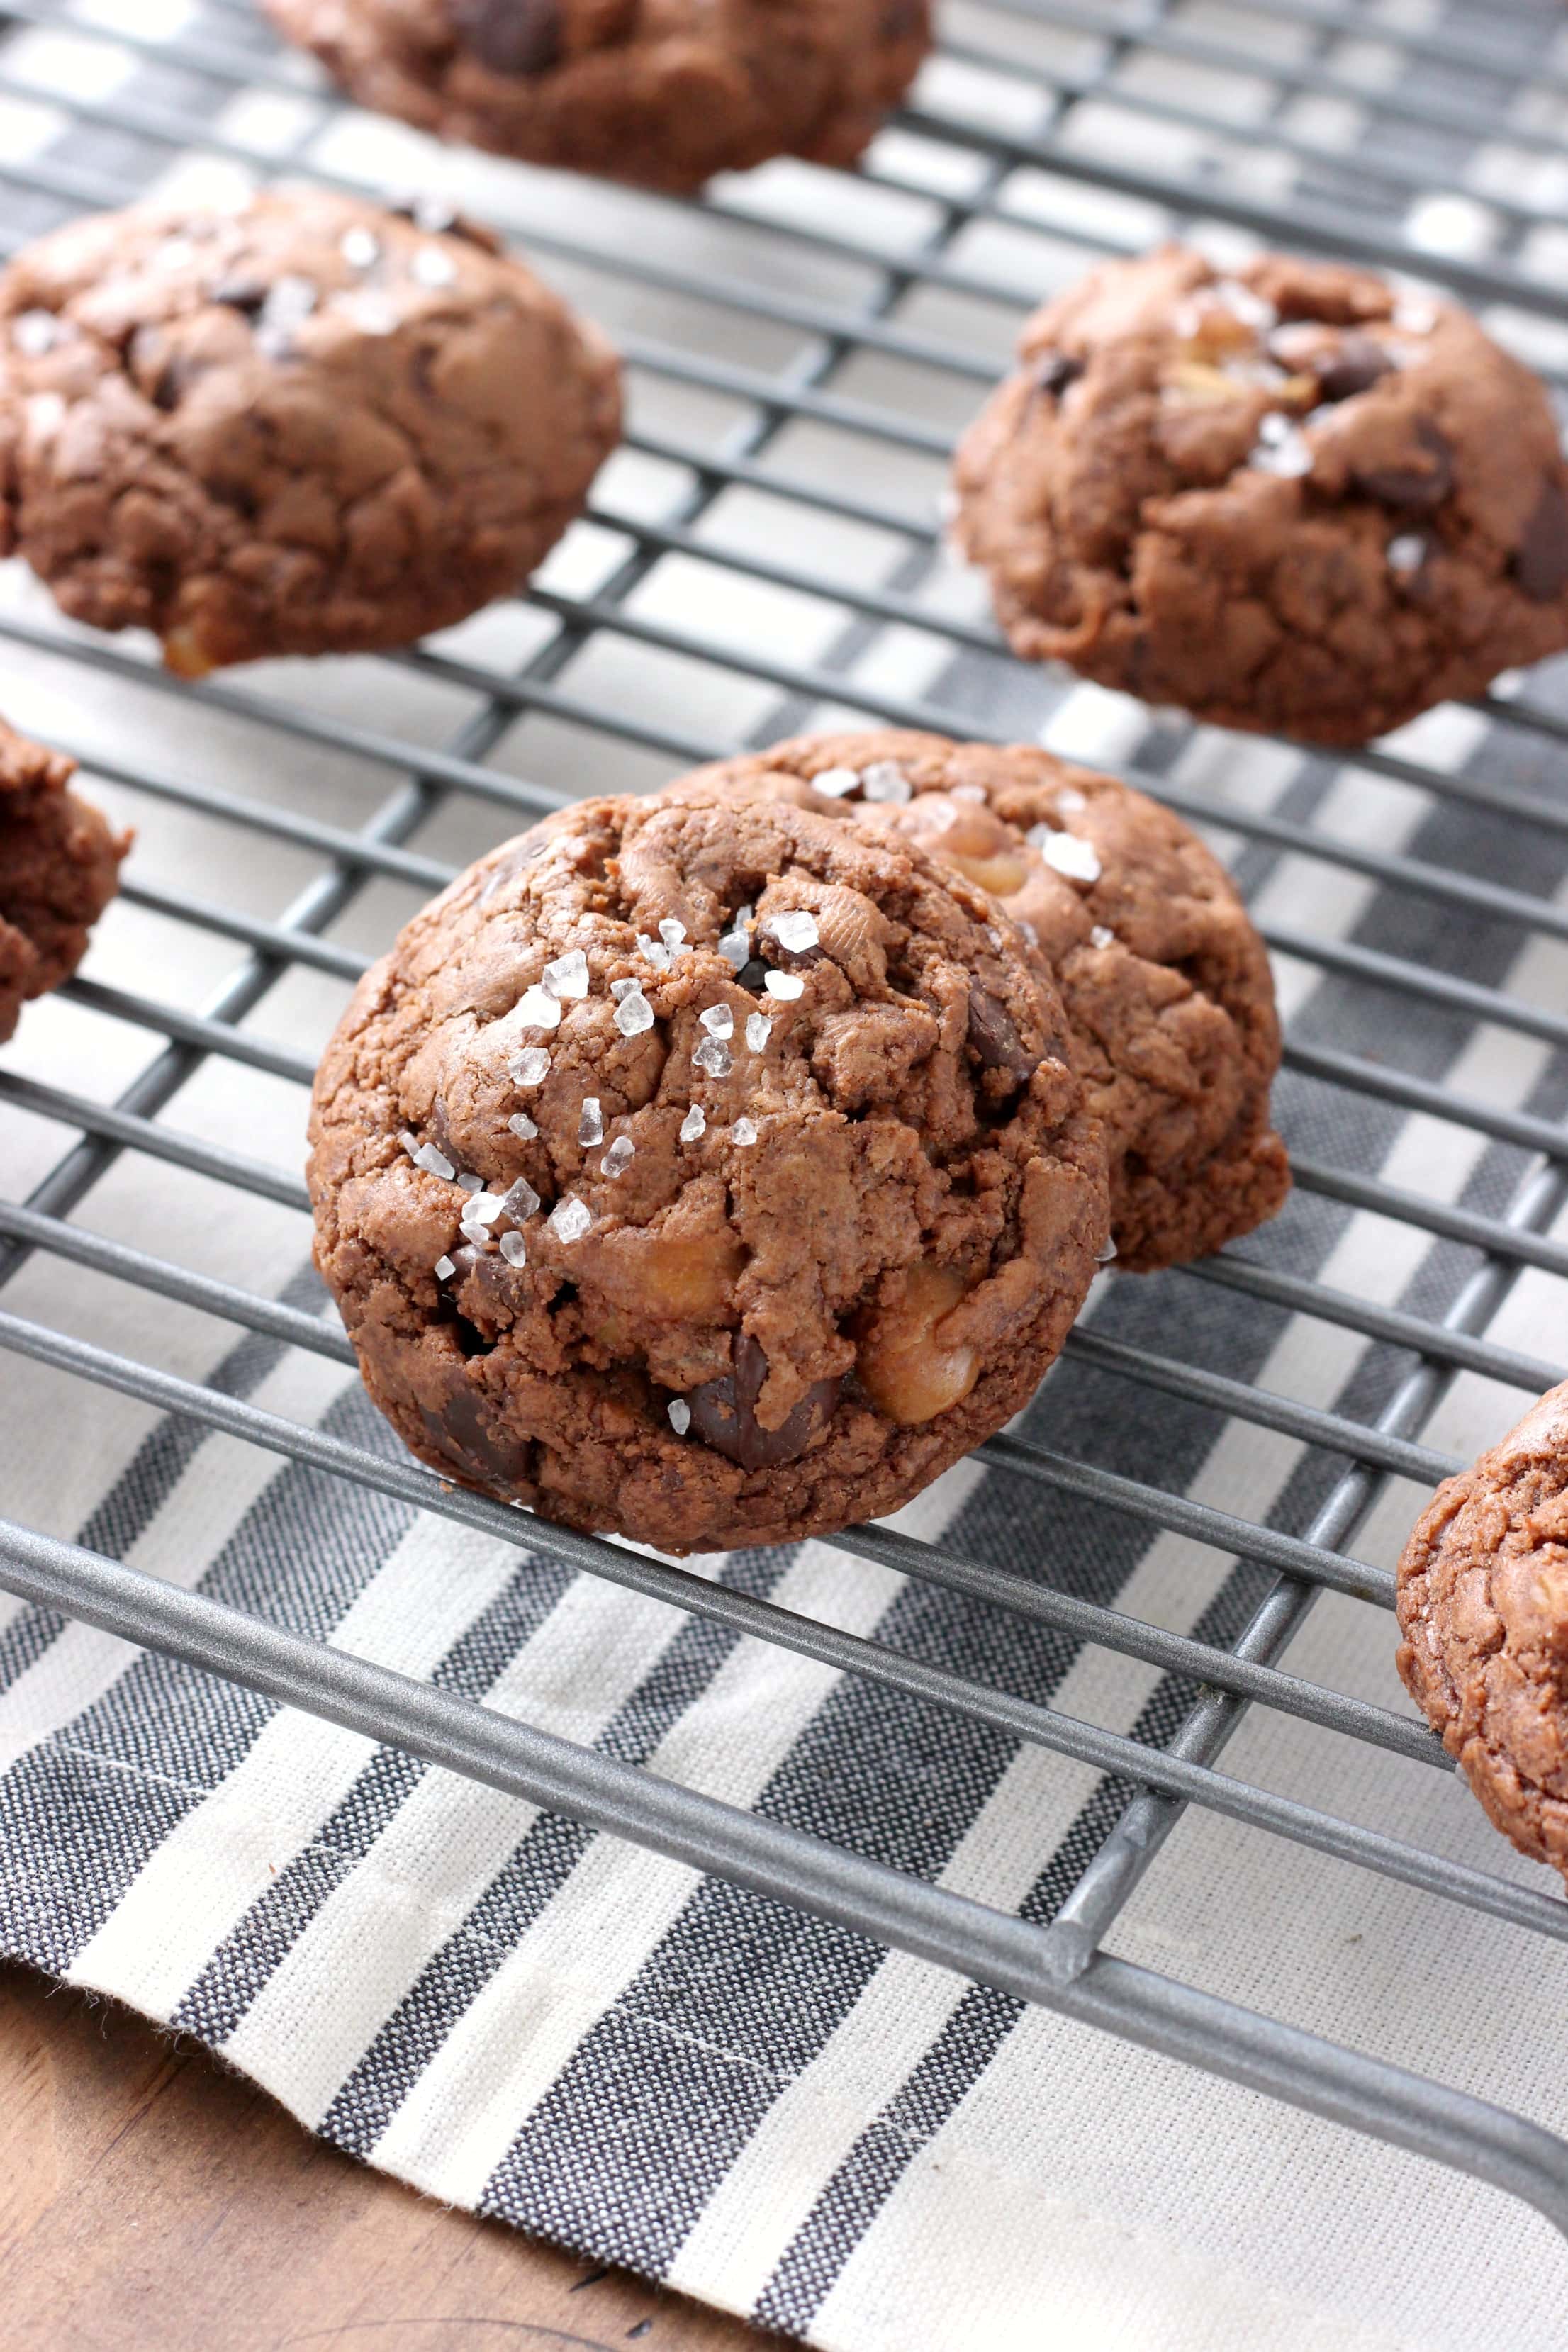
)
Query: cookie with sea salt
[
  {"x": 1286, "y": 498},
  {"x": 661, "y": 92},
  {"x": 1483, "y": 1608},
  {"x": 308, "y": 425},
  {"x": 705, "y": 1169},
  {"x": 1166, "y": 986},
  {"x": 59, "y": 867}
]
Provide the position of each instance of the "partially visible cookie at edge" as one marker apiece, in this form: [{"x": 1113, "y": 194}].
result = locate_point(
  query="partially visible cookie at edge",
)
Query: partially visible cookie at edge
[
  {"x": 1483, "y": 1608},
  {"x": 1288, "y": 498},
  {"x": 59, "y": 867},
  {"x": 307, "y": 425},
  {"x": 708, "y": 1172},
  {"x": 664, "y": 97},
  {"x": 1165, "y": 982}
]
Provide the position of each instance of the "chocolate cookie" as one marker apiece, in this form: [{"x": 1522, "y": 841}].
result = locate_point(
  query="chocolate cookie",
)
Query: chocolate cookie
[
  {"x": 1286, "y": 498},
  {"x": 662, "y": 92},
  {"x": 307, "y": 426},
  {"x": 704, "y": 1169},
  {"x": 1483, "y": 1607},
  {"x": 60, "y": 866},
  {"x": 1166, "y": 986}
]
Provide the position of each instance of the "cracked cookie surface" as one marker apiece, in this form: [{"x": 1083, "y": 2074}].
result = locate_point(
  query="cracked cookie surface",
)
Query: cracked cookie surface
[
  {"x": 59, "y": 867},
  {"x": 1165, "y": 982},
  {"x": 1483, "y": 1607},
  {"x": 661, "y": 92},
  {"x": 1286, "y": 498},
  {"x": 704, "y": 1169},
  {"x": 308, "y": 425}
]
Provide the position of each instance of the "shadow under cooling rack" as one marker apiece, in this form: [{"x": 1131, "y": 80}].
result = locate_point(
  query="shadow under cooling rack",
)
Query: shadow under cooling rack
[{"x": 801, "y": 349}]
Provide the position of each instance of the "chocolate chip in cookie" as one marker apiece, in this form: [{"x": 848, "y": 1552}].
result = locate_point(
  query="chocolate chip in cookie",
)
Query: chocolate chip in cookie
[{"x": 510, "y": 37}]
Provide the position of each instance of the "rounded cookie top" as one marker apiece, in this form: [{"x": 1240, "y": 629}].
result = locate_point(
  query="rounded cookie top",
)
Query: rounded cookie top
[
  {"x": 706, "y": 1169},
  {"x": 1289, "y": 497},
  {"x": 59, "y": 867},
  {"x": 1483, "y": 1607},
  {"x": 306, "y": 426},
  {"x": 661, "y": 92},
  {"x": 1167, "y": 984}
]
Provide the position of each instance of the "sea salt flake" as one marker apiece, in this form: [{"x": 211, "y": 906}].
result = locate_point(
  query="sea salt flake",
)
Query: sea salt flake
[
  {"x": 522, "y": 1126},
  {"x": 34, "y": 332},
  {"x": 713, "y": 1055},
  {"x": 671, "y": 933},
  {"x": 521, "y": 1202},
  {"x": 1415, "y": 318},
  {"x": 434, "y": 267},
  {"x": 634, "y": 1014},
  {"x": 719, "y": 1021},
  {"x": 975, "y": 793},
  {"x": 445, "y": 1269},
  {"x": 484, "y": 1209},
  {"x": 590, "y": 1126},
  {"x": 371, "y": 313},
  {"x": 434, "y": 1163},
  {"x": 759, "y": 1029},
  {"x": 836, "y": 783},
  {"x": 539, "y": 1009},
  {"x": 1408, "y": 552},
  {"x": 410, "y": 1144},
  {"x": 657, "y": 955},
  {"x": 1070, "y": 802},
  {"x": 531, "y": 1066},
  {"x": 786, "y": 985},
  {"x": 477, "y": 1236},
  {"x": 359, "y": 248},
  {"x": 289, "y": 302},
  {"x": 514, "y": 1249},
  {"x": 680, "y": 1415},
  {"x": 619, "y": 1157},
  {"x": 735, "y": 947},
  {"x": 1281, "y": 449},
  {"x": 1244, "y": 304},
  {"x": 619, "y": 988},
  {"x": 885, "y": 781},
  {"x": 1029, "y": 933},
  {"x": 694, "y": 1126},
  {"x": 471, "y": 1183},
  {"x": 1100, "y": 937},
  {"x": 743, "y": 1131},
  {"x": 570, "y": 1219},
  {"x": 568, "y": 975},
  {"x": 1103, "y": 1256},
  {"x": 794, "y": 933},
  {"x": 1064, "y": 853}
]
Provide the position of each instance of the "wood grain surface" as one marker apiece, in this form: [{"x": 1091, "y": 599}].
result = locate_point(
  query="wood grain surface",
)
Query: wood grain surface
[{"x": 150, "y": 2202}]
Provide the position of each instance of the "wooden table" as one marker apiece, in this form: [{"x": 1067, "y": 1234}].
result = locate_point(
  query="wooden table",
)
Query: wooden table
[{"x": 151, "y": 2202}]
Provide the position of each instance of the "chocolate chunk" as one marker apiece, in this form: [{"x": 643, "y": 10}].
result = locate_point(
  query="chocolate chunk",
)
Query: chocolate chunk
[
  {"x": 245, "y": 294},
  {"x": 724, "y": 1414},
  {"x": 1053, "y": 371},
  {"x": 1355, "y": 366},
  {"x": 1412, "y": 488},
  {"x": 754, "y": 974},
  {"x": 476, "y": 1451},
  {"x": 510, "y": 37},
  {"x": 996, "y": 1040},
  {"x": 901, "y": 20},
  {"x": 1541, "y": 561}
]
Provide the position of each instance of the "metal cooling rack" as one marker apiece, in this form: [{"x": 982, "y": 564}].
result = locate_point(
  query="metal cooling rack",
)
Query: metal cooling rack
[{"x": 876, "y": 314}]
